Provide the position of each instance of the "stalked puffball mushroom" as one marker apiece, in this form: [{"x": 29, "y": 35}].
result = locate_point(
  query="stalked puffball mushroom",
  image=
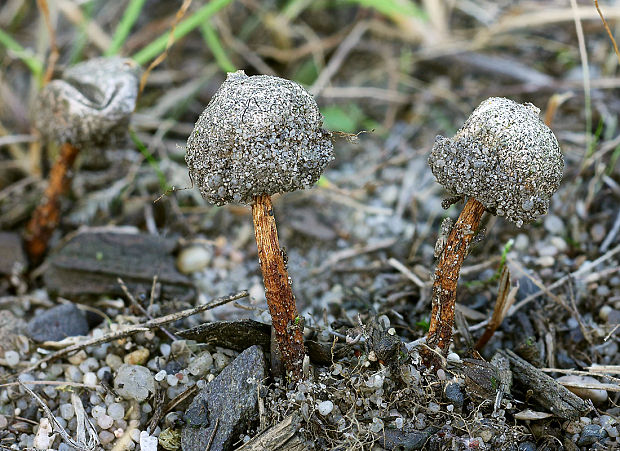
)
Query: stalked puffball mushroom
[
  {"x": 504, "y": 160},
  {"x": 259, "y": 136},
  {"x": 90, "y": 106}
]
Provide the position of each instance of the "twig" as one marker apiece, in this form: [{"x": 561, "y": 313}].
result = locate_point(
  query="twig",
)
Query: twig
[
  {"x": 53, "y": 56},
  {"x": 134, "y": 330},
  {"x": 347, "y": 45},
  {"x": 611, "y": 36},
  {"x": 352, "y": 252},
  {"x": 133, "y": 300},
  {"x": 585, "y": 268},
  {"x": 83, "y": 423},
  {"x": 217, "y": 422},
  {"x": 406, "y": 272},
  {"x": 179, "y": 15},
  {"x": 505, "y": 298},
  {"x": 611, "y": 235}
]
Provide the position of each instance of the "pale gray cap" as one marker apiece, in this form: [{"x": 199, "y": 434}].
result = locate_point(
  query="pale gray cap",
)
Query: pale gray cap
[
  {"x": 505, "y": 157},
  {"x": 258, "y": 135},
  {"x": 91, "y": 104}
]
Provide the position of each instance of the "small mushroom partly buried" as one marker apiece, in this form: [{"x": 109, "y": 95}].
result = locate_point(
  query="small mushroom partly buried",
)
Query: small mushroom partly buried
[
  {"x": 259, "y": 136},
  {"x": 504, "y": 160},
  {"x": 90, "y": 106}
]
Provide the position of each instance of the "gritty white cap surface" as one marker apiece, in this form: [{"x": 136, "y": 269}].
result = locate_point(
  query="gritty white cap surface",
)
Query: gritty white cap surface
[
  {"x": 258, "y": 135},
  {"x": 505, "y": 157}
]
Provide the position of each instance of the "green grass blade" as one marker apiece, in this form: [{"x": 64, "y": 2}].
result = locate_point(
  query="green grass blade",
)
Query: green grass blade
[
  {"x": 392, "y": 8},
  {"x": 159, "y": 45},
  {"x": 131, "y": 14},
  {"x": 34, "y": 64},
  {"x": 163, "y": 184},
  {"x": 213, "y": 42}
]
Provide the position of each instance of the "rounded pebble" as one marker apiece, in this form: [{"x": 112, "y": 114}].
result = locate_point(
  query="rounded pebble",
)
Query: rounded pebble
[
  {"x": 192, "y": 259},
  {"x": 66, "y": 411},
  {"x": 554, "y": 224},
  {"x": 105, "y": 421},
  {"x": 12, "y": 358},
  {"x": 106, "y": 437},
  {"x": 597, "y": 396},
  {"x": 137, "y": 357},
  {"x": 325, "y": 407},
  {"x": 116, "y": 410},
  {"x": 90, "y": 378}
]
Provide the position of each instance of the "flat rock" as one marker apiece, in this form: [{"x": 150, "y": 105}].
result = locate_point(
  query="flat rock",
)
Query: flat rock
[
  {"x": 237, "y": 335},
  {"x": 58, "y": 323},
  {"x": 12, "y": 254},
  {"x": 91, "y": 262},
  {"x": 395, "y": 439},
  {"x": 227, "y": 405}
]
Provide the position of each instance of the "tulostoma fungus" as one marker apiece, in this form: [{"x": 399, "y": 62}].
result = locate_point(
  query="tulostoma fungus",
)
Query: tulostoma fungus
[
  {"x": 259, "y": 136},
  {"x": 503, "y": 160},
  {"x": 90, "y": 106}
]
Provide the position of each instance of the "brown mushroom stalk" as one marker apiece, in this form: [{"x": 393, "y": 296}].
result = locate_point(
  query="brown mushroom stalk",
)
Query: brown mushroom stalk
[
  {"x": 447, "y": 274},
  {"x": 505, "y": 160},
  {"x": 46, "y": 216},
  {"x": 88, "y": 108},
  {"x": 259, "y": 136},
  {"x": 278, "y": 291}
]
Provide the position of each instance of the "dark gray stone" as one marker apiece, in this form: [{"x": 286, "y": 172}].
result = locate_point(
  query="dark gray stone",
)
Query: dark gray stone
[
  {"x": 527, "y": 446},
  {"x": 526, "y": 288},
  {"x": 237, "y": 335},
  {"x": 230, "y": 400},
  {"x": 591, "y": 434},
  {"x": 58, "y": 323},
  {"x": 454, "y": 394},
  {"x": 91, "y": 263},
  {"x": 405, "y": 440}
]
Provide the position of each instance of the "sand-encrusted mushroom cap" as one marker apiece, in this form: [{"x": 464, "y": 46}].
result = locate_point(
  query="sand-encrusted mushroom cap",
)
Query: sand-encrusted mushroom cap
[
  {"x": 258, "y": 135},
  {"x": 505, "y": 157},
  {"x": 91, "y": 104}
]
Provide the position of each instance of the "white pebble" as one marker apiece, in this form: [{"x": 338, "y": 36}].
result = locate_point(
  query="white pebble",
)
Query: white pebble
[
  {"x": 97, "y": 411},
  {"x": 597, "y": 396},
  {"x": 453, "y": 357},
  {"x": 160, "y": 376},
  {"x": 399, "y": 422},
  {"x": 193, "y": 259},
  {"x": 164, "y": 348},
  {"x": 66, "y": 411},
  {"x": 12, "y": 358},
  {"x": 148, "y": 442},
  {"x": 116, "y": 410},
  {"x": 325, "y": 407},
  {"x": 172, "y": 380},
  {"x": 433, "y": 407},
  {"x": 105, "y": 421},
  {"x": 90, "y": 378}
]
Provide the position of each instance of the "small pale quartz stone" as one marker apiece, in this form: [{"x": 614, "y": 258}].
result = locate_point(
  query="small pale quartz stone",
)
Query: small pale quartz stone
[
  {"x": 325, "y": 407},
  {"x": 11, "y": 358},
  {"x": 192, "y": 259},
  {"x": 453, "y": 357},
  {"x": 105, "y": 421},
  {"x": 148, "y": 442}
]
